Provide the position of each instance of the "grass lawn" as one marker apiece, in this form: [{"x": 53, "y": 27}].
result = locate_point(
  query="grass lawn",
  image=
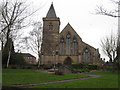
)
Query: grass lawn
[
  {"x": 109, "y": 80},
  {"x": 25, "y": 76}
]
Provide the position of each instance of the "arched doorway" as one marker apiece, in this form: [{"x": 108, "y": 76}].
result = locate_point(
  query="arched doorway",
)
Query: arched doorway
[{"x": 68, "y": 61}]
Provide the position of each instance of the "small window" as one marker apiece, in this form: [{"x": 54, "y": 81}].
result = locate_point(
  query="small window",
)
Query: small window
[
  {"x": 50, "y": 26},
  {"x": 62, "y": 46},
  {"x": 30, "y": 62},
  {"x": 74, "y": 46}
]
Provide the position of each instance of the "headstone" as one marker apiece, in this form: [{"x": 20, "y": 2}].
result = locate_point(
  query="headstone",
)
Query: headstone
[{"x": 65, "y": 69}]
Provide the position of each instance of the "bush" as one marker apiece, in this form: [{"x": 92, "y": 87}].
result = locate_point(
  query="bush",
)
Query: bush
[
  {"x": 15, "y": 59},
  {"x": 81, "y": 70},
  {"x": 81, "y": 67},
  {"x": 19, "y": 59},
  {"x": 92, "y": 67},
  {"x": 78, "y": 65},
  {"x": 111, "y": 66},
  {"x": 58, "y": 65},
  {"x": 14, "y": 67},
  {"x": 59, "y": 73},
  {"x": 47, "y": 66},
  {"x": 86, "y": 70}
]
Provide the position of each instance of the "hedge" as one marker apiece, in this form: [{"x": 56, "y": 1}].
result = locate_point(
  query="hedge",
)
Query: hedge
[
  {"x": 78, "y": 65},
  {"x": 84, "y": 66},
  {"x": 92, "y": 67}
]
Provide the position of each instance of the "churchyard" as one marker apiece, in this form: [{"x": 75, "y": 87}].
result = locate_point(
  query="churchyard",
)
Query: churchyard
[{"x": 12, "y": 77}]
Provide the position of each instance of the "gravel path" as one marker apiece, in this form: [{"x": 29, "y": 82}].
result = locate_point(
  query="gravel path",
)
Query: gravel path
[{"x": 59, "y": 81}]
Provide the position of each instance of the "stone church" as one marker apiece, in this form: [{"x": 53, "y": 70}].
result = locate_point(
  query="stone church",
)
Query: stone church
[{"x": 64, "y": 47}]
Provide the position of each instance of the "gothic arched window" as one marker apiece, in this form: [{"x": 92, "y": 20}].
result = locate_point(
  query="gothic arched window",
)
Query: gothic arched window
[
  {"x": 86, "y": 55},
  {"x": 68, "y": 44},
  {"x": 74, "y": 46},
  {"x": 61, "y": 46}
]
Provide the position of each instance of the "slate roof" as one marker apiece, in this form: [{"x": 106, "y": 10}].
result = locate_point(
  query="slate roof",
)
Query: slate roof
[{"x": 51, "y": 12}]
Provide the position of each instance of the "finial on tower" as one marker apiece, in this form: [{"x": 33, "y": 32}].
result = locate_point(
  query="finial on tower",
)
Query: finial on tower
[{"x": 52, "y": 2}]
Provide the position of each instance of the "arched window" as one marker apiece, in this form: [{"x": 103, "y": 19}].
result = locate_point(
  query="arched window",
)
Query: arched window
[
  {"x": 62, "y": 46},
  {"x": 68, "y": 44},
  {"x": 74, "y": 46},
  {"x": 86, "y": 55}
]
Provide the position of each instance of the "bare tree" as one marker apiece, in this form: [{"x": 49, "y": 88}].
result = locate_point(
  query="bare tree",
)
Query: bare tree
[
  {"x": 34, "y": 40},
  {"x": 13, "y": 17},
  {"x": 112, "y": 13},
  {"x": 109, "y": 46}
]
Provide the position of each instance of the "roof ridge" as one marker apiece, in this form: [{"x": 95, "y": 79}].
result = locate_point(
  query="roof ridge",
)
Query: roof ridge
[{"x": 68, "y": 24}]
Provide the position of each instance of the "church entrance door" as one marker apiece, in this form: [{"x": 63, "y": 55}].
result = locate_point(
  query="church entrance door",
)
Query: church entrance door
[{"x": 68, "y": 61}]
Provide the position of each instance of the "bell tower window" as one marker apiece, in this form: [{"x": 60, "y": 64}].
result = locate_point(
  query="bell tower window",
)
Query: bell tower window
[{"x": 50, "y": 26}]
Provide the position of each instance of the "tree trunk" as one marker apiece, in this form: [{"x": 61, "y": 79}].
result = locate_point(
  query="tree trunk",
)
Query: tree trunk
[
  {"x": 2, "y": 46},
  {"x": 9, "y": 55},
  {"x": 118, "y": 52},
  {"x": 8, "y": 49},
  {"x": 39, "y": 60},
  {"x": 110, "y": 59},
  {"x": 8, "y": 34},
  {"x": 8, "y": 59}
]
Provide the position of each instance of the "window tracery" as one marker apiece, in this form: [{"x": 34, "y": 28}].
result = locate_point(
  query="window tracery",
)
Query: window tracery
[
  {"x": 68, "y": 37},
  {"x": 86, "y": 55}
]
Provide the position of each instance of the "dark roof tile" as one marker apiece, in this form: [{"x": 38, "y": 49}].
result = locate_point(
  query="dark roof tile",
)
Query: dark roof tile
[{"x": 51, "y": 12}]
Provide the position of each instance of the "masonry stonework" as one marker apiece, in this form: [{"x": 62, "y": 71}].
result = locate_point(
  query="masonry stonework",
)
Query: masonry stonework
[{"x": 64, "y": 46}]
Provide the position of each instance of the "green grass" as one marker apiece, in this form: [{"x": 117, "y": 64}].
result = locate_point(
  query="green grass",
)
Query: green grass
[
  {"x": 0, "y": 76},
  {"x": 109, "y": 80},
  {"x": 25, "y": 76}
]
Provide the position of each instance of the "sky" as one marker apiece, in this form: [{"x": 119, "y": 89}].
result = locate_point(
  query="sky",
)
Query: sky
[{"x": 81, "y": 15}]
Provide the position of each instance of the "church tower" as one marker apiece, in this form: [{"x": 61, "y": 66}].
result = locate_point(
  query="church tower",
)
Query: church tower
[
  {"x": 65, "y": 47},
  {"x": 51, "y": 26}
]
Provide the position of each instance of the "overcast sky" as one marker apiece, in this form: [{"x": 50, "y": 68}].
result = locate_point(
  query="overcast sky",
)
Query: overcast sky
[{"x": 81, "y": 15}]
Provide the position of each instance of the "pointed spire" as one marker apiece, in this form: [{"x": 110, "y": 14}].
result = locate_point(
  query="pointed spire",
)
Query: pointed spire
[{"x": 51, "y": 12}]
